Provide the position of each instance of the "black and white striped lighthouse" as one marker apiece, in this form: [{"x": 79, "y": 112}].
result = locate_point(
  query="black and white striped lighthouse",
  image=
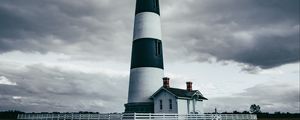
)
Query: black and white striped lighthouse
[{"x": 147, "y": 67}]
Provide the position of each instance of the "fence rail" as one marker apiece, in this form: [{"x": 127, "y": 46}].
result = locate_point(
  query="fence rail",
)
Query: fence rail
[
  {"x": 137, "y": 116},
  {"x": 149, "y": 116}
]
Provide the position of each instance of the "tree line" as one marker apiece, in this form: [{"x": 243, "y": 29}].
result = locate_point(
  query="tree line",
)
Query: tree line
[{"x": 254, "y": 109}]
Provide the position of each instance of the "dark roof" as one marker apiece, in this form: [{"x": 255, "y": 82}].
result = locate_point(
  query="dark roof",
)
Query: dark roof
[{"x": 183, "y": 93}]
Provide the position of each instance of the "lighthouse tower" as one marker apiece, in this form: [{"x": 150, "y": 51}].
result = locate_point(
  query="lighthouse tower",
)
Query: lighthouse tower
[{"x": 147, "y": 66}]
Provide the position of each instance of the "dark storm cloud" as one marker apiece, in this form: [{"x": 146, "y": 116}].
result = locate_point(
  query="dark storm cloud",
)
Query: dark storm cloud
[
  {"x": 271, "y": 98},
  {"x": 66, "y": 26},
  {"x": 259, "y": 33},
  {"x": 41, "y": 88}
]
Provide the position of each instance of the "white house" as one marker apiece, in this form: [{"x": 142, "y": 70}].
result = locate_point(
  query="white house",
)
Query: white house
[{"x": 179, "y": 101}]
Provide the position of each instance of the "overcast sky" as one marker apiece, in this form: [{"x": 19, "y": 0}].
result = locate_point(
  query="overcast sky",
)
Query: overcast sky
[{"x": 74, "y": 55}]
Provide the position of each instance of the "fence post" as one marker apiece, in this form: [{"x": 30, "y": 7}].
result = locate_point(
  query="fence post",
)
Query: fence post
[{"x": 134, "y": 116}]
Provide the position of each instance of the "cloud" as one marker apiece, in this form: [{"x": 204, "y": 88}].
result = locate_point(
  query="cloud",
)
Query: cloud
[
  {"x": 54, "y": 88},
  {"x": 42, "y": 88},
  {"x": 256, "y": 33},
  {"x": 5, "y": 81},
  {"x": 271, "y": 97},
  {"x": 80, "y": 28},
  {"x": 17, "y": 97}
]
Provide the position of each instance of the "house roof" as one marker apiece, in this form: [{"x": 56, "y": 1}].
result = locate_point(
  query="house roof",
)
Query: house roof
[{"x": 182, "y": 93}]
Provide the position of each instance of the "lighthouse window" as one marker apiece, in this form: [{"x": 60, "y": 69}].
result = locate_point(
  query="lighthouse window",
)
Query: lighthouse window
[
  {"x": 160, "y": 104},
  {"x": 158, "y": 48},
  {"x": 155, "y": 4},
  {"x": 170, "y": 104}
]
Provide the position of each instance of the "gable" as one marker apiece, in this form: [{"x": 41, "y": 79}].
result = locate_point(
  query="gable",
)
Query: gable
[
  {"x": 180, "y": 93},
  {"x": 162, "y": 90}
]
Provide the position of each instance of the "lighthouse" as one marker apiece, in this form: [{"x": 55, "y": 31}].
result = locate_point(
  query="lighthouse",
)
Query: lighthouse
[{"x": 147, "y": 68}]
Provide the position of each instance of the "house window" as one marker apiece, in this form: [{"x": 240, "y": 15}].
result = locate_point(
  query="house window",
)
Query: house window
[
  {"x": 160, "y": 104},
  {"x": 170, "y": 104}
]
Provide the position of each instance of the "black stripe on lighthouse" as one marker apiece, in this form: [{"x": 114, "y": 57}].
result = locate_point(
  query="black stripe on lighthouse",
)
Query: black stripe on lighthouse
[
  {"x": 147, "y": 6},
  {"x": 147, "y": 52}
]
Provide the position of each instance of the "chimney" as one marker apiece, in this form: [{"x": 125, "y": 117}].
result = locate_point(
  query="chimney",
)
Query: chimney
[
  {"x": 166, "y": 82},
  {"x": 189, "y": 86}
]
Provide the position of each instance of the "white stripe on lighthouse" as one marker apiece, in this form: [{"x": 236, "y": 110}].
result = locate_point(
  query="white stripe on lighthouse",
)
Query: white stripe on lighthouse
[
  {"x": 144, "y": 81},
  {"x": 147, "y": 25}
]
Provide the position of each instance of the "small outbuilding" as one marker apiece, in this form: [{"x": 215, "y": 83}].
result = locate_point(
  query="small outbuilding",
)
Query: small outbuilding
[{"x": 179, "y": 101}]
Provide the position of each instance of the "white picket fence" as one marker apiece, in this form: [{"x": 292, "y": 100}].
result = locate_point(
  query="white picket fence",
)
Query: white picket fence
[
  {"x": 69, "y": 116},
  {"x": 137, "y": 116},
  {"x": 149, "y": 116}
]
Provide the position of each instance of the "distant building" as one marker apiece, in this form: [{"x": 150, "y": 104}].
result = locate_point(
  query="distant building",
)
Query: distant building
[{"x": 174, "y": 100}]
